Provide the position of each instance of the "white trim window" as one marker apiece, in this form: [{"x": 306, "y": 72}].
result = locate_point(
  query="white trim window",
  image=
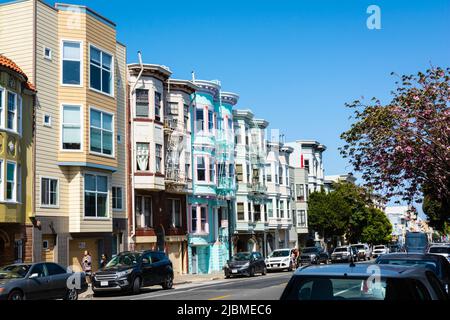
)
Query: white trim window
[
  {"x": 2, "y": 106},
  {"x": 71, "y": 132},
  {"x": 95, "y": 196},
  {"x": 49, "y": 192},
  {"x": 2, "y": 188},
  {"x": 19, "y": 183},
  {"x": 142, "y": 156},
  {"x": 175, "y": 210},
  {"x": 199, "y": 219},
  {"x": 117, "y": 198},
  {"x": 101, "y": 132},
  {"x": 47, "y": 52},
  {"x": 71, "y": 69},
  {"x": 101, "y": 70},
  {"x": 11, "y": 122},
  {"x": 143, "y": 212},
  {"x": 11, "y": 178},
  {"x": 201, "y": 168},
  {"x": 158, "y": 158},
  {"x": 142, "y": 103},
  {"x": 158, "y": 106}
]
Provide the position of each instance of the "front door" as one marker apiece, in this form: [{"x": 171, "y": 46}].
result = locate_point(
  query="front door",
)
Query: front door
[{"x": 194, "y": 260}]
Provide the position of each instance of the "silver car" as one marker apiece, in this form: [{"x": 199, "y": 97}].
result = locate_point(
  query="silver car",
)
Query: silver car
[{"x": 442, "y": 250}]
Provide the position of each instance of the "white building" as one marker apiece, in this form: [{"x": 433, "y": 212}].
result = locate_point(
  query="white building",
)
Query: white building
[{"x": 401, "y": 221}]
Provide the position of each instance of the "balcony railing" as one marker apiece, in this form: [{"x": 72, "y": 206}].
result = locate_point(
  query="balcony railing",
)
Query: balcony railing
[{"x": 259, "y": 188}]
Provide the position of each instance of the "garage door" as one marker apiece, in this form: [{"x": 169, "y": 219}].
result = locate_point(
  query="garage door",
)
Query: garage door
[{"x": 174, "y": 249}]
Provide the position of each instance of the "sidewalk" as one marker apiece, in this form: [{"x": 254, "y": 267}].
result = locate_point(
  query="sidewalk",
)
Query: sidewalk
[{"x": 178, "y": 279}]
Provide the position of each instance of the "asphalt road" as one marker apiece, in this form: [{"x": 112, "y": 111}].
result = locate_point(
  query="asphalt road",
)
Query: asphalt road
[{"x": 268, "y": 287}]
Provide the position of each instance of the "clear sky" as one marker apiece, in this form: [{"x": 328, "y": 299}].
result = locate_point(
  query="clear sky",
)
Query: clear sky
[{"x": 294, "y": 63}]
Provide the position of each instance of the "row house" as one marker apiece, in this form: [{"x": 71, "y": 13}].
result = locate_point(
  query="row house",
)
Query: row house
[
  {"x": 159, "y": 160},
  {"x": 251, "y": 193},
  {"x": 17, "y": 100},
  {"x": 213, "y": 189},
  {"x": 72, "y": 56}
]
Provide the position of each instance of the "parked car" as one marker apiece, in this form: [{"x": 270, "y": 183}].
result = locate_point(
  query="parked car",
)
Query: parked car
[
  {"x": 245, "y": 263},
  {"x": 40, "y": 281},
  {"x": 416, "y": 242},
  {"x": 280, "y": 259},
  {"x": 395, "y": 248},
  {"x": 343, "y": 254},
  {"x": 314, "y": 255},
  {"x": 130, "y": 271},
  {"x": 378, "y": 250},
  {"x": 363, "y": 251},
  {"x": 442, "y": 250},
  {"x": 439, "y": 265},
  {"x": 344, "y": 282}
]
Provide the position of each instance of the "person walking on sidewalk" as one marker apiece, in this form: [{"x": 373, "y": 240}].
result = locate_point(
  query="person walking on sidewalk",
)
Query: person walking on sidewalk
[
  {"x": 86, "y": 263},
  {"x": 103, "y": 261}
]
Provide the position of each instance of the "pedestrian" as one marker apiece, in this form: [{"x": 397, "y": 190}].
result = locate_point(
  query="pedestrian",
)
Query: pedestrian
[
  {"x": 103, "y": 261},
  {"x": 86, "y": 263}
]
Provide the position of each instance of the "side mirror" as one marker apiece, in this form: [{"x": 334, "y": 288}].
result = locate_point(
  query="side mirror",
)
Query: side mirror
[{"x": 34, "y": 275}]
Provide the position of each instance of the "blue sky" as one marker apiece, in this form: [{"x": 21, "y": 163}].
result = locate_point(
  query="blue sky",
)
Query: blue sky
[{"x": 294, "y": 63}]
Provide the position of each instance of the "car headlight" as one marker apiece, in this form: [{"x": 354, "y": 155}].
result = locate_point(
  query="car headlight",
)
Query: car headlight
[
  {"x": 123, "y": 274},
  {"x": 286, "y": 259},
  {"x": 246, "y": 265},
  {"x": 312, "y": 255}
]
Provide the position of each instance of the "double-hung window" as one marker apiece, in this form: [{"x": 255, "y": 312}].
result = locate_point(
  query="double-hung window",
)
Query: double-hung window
[
  {"x": 101, "y": 65},
  {"x": 142, "y": 103},
  {"x": 201, "y": 168},
  {"x": 199, "y": 219},
  {"x": 71, "y": 127},
  {"x": 199, "y": 120},
  {"x": 117, "y": 198},
  {"x": 102, "y": 132},
  {"x": 194, "y": 219},
  {"x": 71, "y": 63},
  {"x": 95, "y": 196},
  {"x": 157, "y": 106},
  {"x": 49, "y": 192},
  {"x": 210, "y": 121},
  {"x": 144, "y": 212},
  {"x": 212, "y": 171},
  {"x": 12, "y": 111},
  {"x": 174, "y": 207},
  {"x": 240, "y": 211},
  {"x": 142, "y": 155},
  {"x": 1, "y": 181},
  {"x": 11, "y": 181},
  {"x": 2, "y": 105},
  {"x": 158, "y": 158}
]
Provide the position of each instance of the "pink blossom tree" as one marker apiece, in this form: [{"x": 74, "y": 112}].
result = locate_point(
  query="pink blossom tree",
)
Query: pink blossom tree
[{"x": 402, "y": 149}]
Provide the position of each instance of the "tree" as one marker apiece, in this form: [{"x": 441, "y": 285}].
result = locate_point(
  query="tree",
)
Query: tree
[
  {"x": 402, "y": 148},
  {"x": 378, "y": 229}
]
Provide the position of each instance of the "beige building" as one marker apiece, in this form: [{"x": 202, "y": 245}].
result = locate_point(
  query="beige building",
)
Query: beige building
[{"x": 72, "y": 56}]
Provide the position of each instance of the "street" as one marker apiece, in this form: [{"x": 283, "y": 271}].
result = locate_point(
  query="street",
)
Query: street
[{"x": 267, "y": 287}]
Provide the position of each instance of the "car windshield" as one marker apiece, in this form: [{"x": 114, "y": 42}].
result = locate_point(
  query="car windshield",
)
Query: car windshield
[
  {"x": 440, "y": 250},
  {"x": 341, "y": 249},
  {"x": 123, "y": 260},
  {"x": 280, "y": 253},
  {"x": 336, "y": 288},
  {"x": 14, "y": 271},
  {"x": 359, "y": 246},
  {"x": 378, "y": 247},
  {"x": 241, "y": 256},
  {"x": 416, "y": 241},
  {"x": 429, "y": 264},
  {"x": 310, "y": 250}
]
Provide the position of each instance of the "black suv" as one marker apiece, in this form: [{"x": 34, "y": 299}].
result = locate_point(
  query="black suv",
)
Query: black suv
[{"x": 129, "y": 271}]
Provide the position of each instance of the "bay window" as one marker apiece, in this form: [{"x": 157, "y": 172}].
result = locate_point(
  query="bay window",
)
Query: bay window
[
  {"x": 144, "y": 213},
  {"x": 212, "y": 171},
  {"x": 95, "y": 196},
  {"x": 71, "y": 63},
  {"x": 210, "y": 120},
  {"x": 194, "y": 219},
  {"x": 142, "y": 156},
  {"x": 1, "y": 181},
  {"x": 101, "y": 132},
  {"x": 142, "y": 103},
  {"x": 101, "y": 65},
  {"x": 12, "y": 111},
  {"x": 11, "y": 181},
  {"x": 199, "y": 219},
  {"x": 199, "y": 120},
  {"x": 240, "y": 211},
  {"x": 71, "y": 127},
  {"x": 158, "y": 158},
  {"x": 201, "y": 168},
  {"x": 174, "y": 208},
  {"x": 2, "y": 107},
  {"x": 157, "y": 106}
]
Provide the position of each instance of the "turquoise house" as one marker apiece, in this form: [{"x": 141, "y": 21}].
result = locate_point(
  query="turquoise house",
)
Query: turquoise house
[{"x": 210, "y": 205}]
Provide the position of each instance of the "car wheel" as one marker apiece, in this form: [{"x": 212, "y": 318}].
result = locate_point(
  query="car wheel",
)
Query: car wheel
[
  {"x": 136, "y": 285},
  {"x": 16, "y": 295},
  {"x": 168, "y": 283},
  {"x": 252, "y": 272},
  {"x": 264, "y": 272},
  {"x": 71, "y": 294},
  {"x": 227, "y": 276}
]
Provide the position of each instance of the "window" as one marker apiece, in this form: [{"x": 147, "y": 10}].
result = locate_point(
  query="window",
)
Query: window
[
  {"x": 306, "y": 192},
  {"x": 101, "y": 65},
  {"x": 102, "y": 132},
  {"x": 231, "y": 170},
  {"x": 212, "y": 172},
  {"x": 71, "y": 128},
  {"x": 248, "y": 173},
  {"x": 173, "y": 108},
  {"x": 255, "y": 176},
  {"x": 47, "y": 120},
  {"x": 246, "y": 136},
  {"x": 239, "y": 173},
  {"x": 10, "y": 181},
  {"x": 238, "y": 135},
  {"x": 249, "y": 213},
  {"x": 142, "y": 103},
  {"x": 2, "y": 103},
  {"x": 95, "y": 196},
  {"x": 201, "y": 169},
  {"x": 158, "y": 158},
  {"x": 287, "y": 176},
  {"x": 47, "y": 53},
  {"x": 144, "y": 213},
  {"x": 199, "y": 123},
  {"x": 71, "y": 63},
  {"x": 240, "y": 211},
  {"x": 307, "y": 166},
  {"x": 49, "y": 192},
  {"x": 194, "y": 219},
  {"x": 54, "y": 269},
  {"x": 281, "y": 211},
  {"x": 203, "y": 219},
  {"x": 117, "y": 197},
  {"x": 186, "y": 115},
  {"x": 142, "y": 155},
  {"x": 300, "y": 191},
  {"x": 19, "y": 183},
  {"x": 280, "y": 175},
  {"x": 1, "y": 181},
  {"x": 210, "y": 120},
  {"x": 12, "y": 111},
  {"x": 174, "y": 207},
  {"x": 270, "y": 209},
  {"x": 257, "y": 213},
  {"x": 268, "y": 172},
  {"x": 157, "y": 106},
  {"x": 199, "y": 221},
  {"x": 301, "y": 218}
]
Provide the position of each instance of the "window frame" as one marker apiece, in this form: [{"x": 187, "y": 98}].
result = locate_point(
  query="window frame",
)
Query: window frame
[
  {"x": 114, "y": 208},
  {"x": 205, "y": 180},
  {"x": 136, "y": 103},
  {"x": 159, "y": 158},
  {"x": 81, "y": 42},
  {"x": 47, "y": 57},
  {"x": 143, "y": 198},
  {"x": 173, "y": 213},
  {"x": 158, "y": 117},
  {"x": 49, "y": 123},
  {"x": 16, "y": 111},
  {"x": 50, "y": 206},
  {"x": 112, "y": 94},
  {"x": 198, "y": 219},
  {"x": 2, "y": 180},
  {"x": 61, "y": 129},
  {"x": 14, "y": 190},
  {"x": 96, "y": 217},
  {"x": 2, "y": 106},
  {"x": 136, "y": 157},
  {"x": 113, "y": 132}
]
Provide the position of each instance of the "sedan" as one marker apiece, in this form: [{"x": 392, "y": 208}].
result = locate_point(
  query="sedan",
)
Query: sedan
[
  {"x": 245, "y": 263},
  {"x": 40, "y": 281}
]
